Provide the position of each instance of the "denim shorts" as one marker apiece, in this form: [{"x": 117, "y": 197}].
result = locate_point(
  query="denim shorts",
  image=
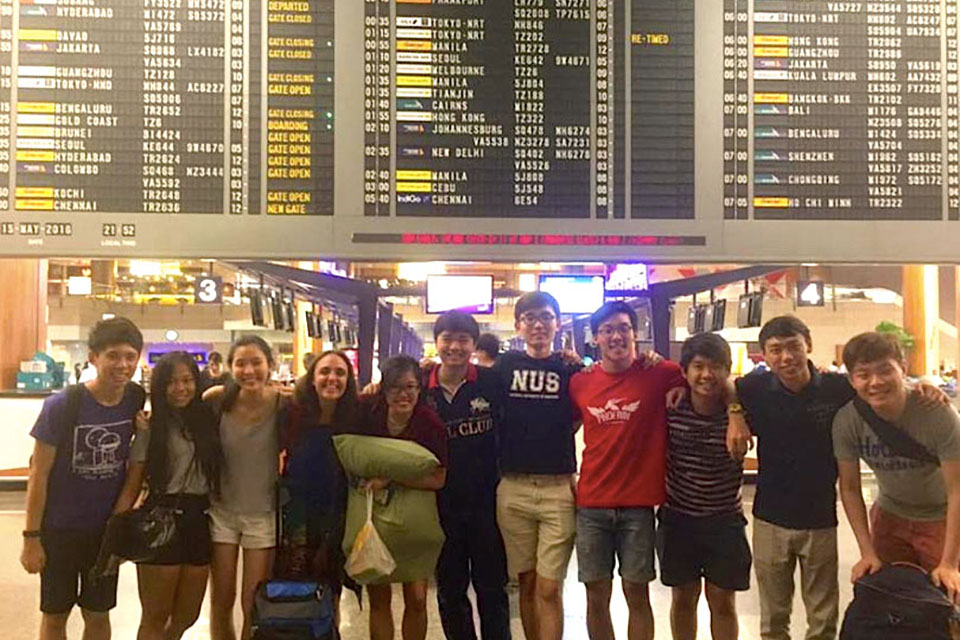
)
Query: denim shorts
[{"x": 626, "y": 535}]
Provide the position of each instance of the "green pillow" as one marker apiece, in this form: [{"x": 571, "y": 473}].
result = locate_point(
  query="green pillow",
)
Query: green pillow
[
  {"x": 382, "y": 457},
  {"x": 408, "y": 524}
]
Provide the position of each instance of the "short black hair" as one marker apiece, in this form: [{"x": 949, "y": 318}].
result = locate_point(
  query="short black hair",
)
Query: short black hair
[
  {"x": 706, "y": 345},
  {"x": 535, "y": 300},
  {"x": 456, "y": 322},
  {"x": 108, "y": 333},
  {"x": 612, "y": 308},
  {"x": 871, "y": 347},
  {"x": 784, "y": 327},
  {"x": 489, "y": 344},
  {"x": 393, "y": 369},
  {"x": 215, "y": 357}
]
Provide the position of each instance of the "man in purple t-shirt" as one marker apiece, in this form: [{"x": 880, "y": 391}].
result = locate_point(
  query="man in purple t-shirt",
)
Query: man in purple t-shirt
[{"x": 77, "y": 479}]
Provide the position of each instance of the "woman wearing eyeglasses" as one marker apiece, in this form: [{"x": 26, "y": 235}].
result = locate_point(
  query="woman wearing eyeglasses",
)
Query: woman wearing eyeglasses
[{"x": 397, "y": 412}]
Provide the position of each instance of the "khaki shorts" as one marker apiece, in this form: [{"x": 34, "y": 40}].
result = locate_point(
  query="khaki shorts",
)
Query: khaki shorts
[
  {"x": 537, "y": 515},
  {"x": 249, "y": 530}
]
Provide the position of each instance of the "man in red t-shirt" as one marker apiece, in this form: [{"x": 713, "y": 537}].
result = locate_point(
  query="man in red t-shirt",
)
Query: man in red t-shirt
[{"x": 622, "y": 474}]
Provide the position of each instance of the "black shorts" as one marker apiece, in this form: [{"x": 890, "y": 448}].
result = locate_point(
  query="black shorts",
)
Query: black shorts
[
  {"x": 192, "y": 543},
  {"x": 712, "y": 547},
  {"x": 70, "y": 556}
]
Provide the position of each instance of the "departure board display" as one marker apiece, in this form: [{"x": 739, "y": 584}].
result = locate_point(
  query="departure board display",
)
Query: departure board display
[
  {"x": 509, "y": 109},
  {"x": 734, "y": 130},
  {"x": 854, "y": 105}
]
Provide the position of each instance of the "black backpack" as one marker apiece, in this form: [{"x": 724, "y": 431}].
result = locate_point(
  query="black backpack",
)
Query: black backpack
[{"x": 898, "y": 603}]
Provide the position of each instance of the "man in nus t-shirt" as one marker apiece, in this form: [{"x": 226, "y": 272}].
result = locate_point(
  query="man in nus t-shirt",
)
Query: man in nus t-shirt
[
  {"x": 77, "y": 472},
  {"x": 623, "y": 405},
  {"x": 536, "y": 509}
]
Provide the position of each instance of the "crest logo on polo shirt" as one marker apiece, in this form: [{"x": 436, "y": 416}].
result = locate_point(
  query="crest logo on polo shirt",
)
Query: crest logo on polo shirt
[
  {"x": 479, "y": 405},
  {"x": 614, "y": 411}
]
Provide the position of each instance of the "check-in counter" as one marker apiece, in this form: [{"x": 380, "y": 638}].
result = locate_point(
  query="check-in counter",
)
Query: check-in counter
[{"x": 18, "y": 412}]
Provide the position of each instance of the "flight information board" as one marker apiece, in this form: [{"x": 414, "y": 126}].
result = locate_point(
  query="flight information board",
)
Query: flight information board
[
  {"x": 481, "y": 129},
  {"x": 854, "y": 110},
  {"x": 511, "y": 109}
]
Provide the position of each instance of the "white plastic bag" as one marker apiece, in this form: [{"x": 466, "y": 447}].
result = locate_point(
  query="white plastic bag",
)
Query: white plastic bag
[{"x": 369, "y": 560}]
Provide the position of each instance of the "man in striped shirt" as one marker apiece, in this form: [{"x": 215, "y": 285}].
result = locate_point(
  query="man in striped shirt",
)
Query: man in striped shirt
[{"x": 701, "y": 536}]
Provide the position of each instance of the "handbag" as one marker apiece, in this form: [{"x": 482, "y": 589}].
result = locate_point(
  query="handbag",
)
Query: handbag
[
  {"x": 138, "y": 535},
  {"x": 144, "y": 532}
]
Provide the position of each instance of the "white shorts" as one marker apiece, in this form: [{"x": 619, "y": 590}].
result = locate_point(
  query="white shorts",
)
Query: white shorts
[{"x": 249, "y": 530}]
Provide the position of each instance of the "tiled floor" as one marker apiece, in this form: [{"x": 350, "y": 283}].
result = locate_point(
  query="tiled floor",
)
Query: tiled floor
[{"x": 19, "y": 600}]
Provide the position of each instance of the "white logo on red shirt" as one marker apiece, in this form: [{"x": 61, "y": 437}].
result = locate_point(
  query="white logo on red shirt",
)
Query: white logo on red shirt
[{"x": 614, "y": 411}]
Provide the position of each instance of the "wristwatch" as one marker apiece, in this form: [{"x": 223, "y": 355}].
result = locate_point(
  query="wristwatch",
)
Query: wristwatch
[
  {"x": 734, "y": 407},
  {"x": 31, "y": 533}
]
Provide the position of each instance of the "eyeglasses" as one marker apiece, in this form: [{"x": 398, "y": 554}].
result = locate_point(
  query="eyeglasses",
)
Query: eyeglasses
[
  {"x": 607, "y": 331},
  {"x": 410, "y": 390},
  {"x": 531, "y": 319}
]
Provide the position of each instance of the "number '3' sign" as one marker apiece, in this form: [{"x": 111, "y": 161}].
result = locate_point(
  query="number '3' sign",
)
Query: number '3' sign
[{"x": 209, "y": 290}]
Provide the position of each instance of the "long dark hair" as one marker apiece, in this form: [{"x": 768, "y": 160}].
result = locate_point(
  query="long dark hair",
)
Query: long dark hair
[
  {"x": 346, "y": 415},
  {"x": 233, "y": 387},
  {"x": 199, "y": 424}
]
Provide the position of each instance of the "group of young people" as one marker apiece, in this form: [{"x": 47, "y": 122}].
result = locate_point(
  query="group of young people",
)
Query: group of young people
[{"x": 660, "y": 476}]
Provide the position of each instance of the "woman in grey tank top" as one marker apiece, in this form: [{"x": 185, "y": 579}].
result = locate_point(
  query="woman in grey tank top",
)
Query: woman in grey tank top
[{"x": 243, "y": 515}]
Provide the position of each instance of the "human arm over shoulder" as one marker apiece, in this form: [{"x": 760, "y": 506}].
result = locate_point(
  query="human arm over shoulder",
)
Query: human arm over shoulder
[
  {"x": 739, "y": 435},
  {"x": 214, "y": 395}
]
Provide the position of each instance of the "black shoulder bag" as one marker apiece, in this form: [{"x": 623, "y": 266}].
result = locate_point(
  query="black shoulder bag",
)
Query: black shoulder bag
[{"x": 898, "y": 440}]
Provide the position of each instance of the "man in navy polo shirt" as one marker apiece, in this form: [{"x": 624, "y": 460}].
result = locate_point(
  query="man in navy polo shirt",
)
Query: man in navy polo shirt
[{"x": 465, "y": 398}]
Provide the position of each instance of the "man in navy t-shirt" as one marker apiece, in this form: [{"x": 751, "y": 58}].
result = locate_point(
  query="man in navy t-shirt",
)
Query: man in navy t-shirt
[
  {"x": 536, "y": 507},
  {"x": 78, "y": 475},
  {"x": 465, "y": 398}
]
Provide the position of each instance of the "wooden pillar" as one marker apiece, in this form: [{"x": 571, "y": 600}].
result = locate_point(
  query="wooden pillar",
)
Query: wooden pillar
[
  {"x": 921, "y": 315},
  {"x": 23, "y": 321}
]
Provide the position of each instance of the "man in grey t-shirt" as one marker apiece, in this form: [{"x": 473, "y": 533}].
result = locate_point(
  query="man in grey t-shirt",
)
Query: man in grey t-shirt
[{"x": 917, "y": 514}]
